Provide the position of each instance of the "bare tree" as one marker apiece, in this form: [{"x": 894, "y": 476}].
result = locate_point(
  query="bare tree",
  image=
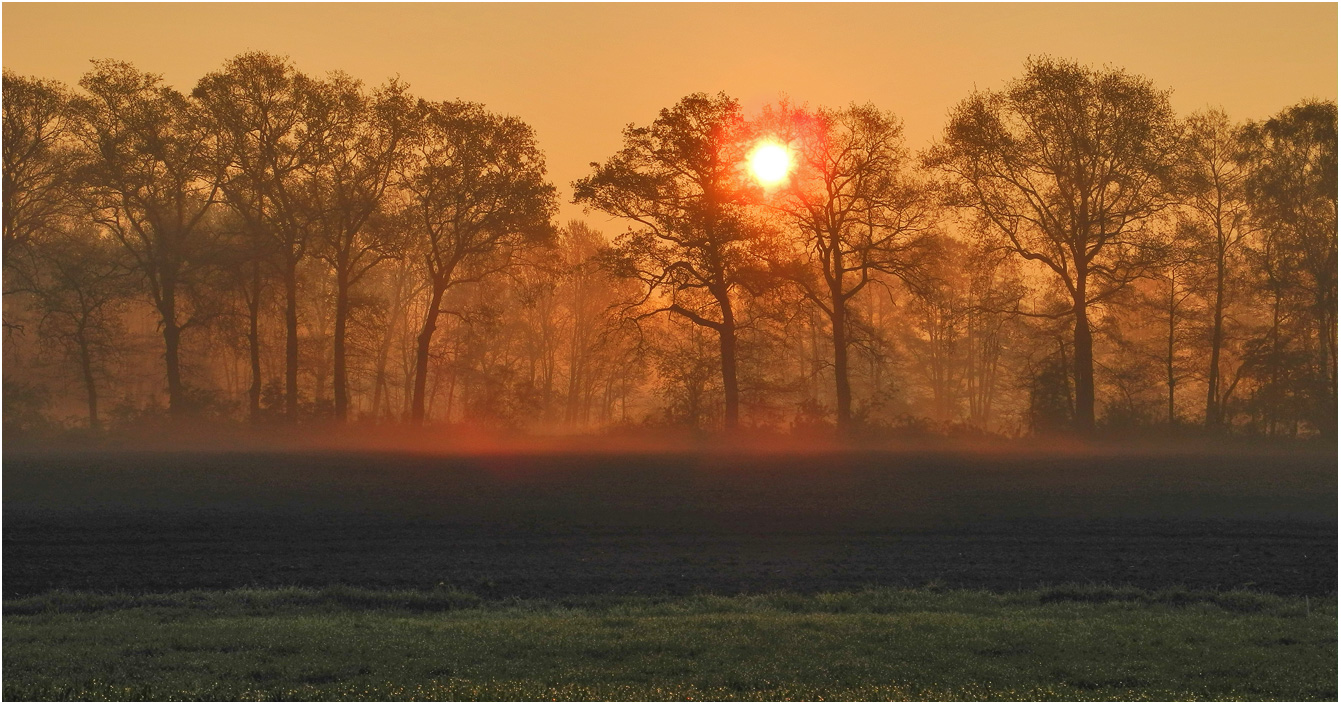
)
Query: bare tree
[
  {"x": 857, "y": 207},
  {"x": 1179, "y": 277},
  {"x": 1067, "y": 164},
  {"x": 350, "y": 177},
  {"x": 149, "y": 177},
  {"x": 679, "y": 183},
  {"x": 938, "y": 314},
  {"x": 269, "y": 124},
  {"x": 995, "y": 288},
  {"x": 476, "y": 188},
  {"x": 1292, "y": 188},
  {"x": 1211, "y": 180},
  {"x": 80, "y": 287},
  {"x": 591, "y": 297},
  {"x": 38, "y": 158}
]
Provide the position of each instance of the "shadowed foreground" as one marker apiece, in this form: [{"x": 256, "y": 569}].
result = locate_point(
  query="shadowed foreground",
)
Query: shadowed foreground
[{"x": 561, "y": 525}]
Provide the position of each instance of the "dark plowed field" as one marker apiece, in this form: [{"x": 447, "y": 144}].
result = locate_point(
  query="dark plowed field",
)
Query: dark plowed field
[{"x": 552, "y": 526}]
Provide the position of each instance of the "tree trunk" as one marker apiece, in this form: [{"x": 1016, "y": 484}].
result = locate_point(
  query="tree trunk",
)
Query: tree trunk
[
  {"x": 1084, "y": 368},
  {"x": 575, "y": 377},
  {"x": 1213, "y": 415},
  {"x": 379, "y": 381},
  {"x": 254, "y": 342},
  {"x": 341, "y": 375},
  {"x": 1273, "y": 378},
  {"x": 1168, "y": 363},
  {"x": 730, "y": 386},
  {"x": 291, "y": 342},
  {"x": 843, "y": 386},
  {"x": 421, "y": 356},
  {"x": 838, "y": 326}
]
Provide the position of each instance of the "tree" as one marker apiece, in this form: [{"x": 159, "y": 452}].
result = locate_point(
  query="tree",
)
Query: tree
[
  {"x": 350, "y": 178},
  {"x": 38, "y": 159},
  {"x": 1292, "y": 188},
  {"x": 938, "y": 315},
  {"x": 79, "y": 288},
  {"x": 1179, "y": 276},
  {"x": 1211, "y": 178},
  {"x": 590, "y": 296},
  {"x": 476, "y": 189},
  {"x": 247, "y": 253},
  {"x": 857, "y": 208},
  {"x": 149, "y": 177},
  {"x": 1067, "y": 163},
  {"x": 679, "y": 182},
  {"x": 994, "y": 290},
  {"x": 271, "y": 123}
]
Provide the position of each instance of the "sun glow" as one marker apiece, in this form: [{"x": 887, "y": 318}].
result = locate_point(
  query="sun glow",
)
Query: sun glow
[{"x": 770, "y": 163}]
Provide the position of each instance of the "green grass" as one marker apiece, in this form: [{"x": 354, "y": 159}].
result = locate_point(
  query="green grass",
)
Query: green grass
[{"x": 1080, "y": 643}]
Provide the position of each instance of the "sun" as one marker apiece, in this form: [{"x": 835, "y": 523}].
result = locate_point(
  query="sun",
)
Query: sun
[{"x": 769, "y": 163}]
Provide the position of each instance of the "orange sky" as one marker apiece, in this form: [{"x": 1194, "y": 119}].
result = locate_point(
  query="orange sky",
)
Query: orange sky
[{"x": 580, "y": 72}]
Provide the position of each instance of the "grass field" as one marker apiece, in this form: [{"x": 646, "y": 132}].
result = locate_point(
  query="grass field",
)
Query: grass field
[
  {"x": 838, "y": 576},
  {"x": 1067, "y": 643}
]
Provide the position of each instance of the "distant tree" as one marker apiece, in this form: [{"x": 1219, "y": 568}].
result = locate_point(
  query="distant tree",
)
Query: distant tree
[
  {"x": 591, "y": 296},
  {"x": 1292, "y": 188},
  {"x": 679, "y": 181},
  {"x": 246, "y": 258},
  {"x": 1067, "y": 164},
  {"x": 475, "y": 189},
  {"x": 690, "y": 381},
  {"x": 1211, "y": 180},
  {"x": 398, "y": 285},
  {"x": 1279, "y": 363},
  {"x": 243, "y": 292},
  {"x": 937, "y": 318},
  {"x": 537, "y": 323},
  {"x": 148, "y": 176},
  {"x": 1179, "y": 277},
  {"x": 79, "y": 287},
  {"x": 856, "y": 205},
  {"x": 994, "y": 291}
]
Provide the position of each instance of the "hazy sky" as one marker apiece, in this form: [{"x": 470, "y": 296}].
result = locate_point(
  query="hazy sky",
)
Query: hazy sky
[{"x": 580, "y": 72}]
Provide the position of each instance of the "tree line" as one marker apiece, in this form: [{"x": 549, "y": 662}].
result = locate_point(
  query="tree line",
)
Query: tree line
[{"x": 1069, "y": 255}]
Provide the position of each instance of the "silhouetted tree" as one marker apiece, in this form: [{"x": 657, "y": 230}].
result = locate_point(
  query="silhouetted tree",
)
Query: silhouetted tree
[
  {"x": 38, "y": 158},
  {"x": 476, "y": 188},
  {"x": 857, "y": 207},
  {"x": 1293, "y": 191},
  {"x": 1067, "y": 163},
  {"x": 938, "y": 314},
  {"x": 994, "y": 290},
  {"x": 590, "y": 295},
  {"x": 285, "y": 233},
  {"x": 148, "y": 176},
  {"x": 1211, "y": 177},
  {"x": 1051, "y": 400},
  {"x": 270, "y": 124},
  {"x": 1179, "y": 277},
  {"x": 350, "y": 178},
  {"x": 79, "y": 287},
  {"x": 679, "y": 181}
]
